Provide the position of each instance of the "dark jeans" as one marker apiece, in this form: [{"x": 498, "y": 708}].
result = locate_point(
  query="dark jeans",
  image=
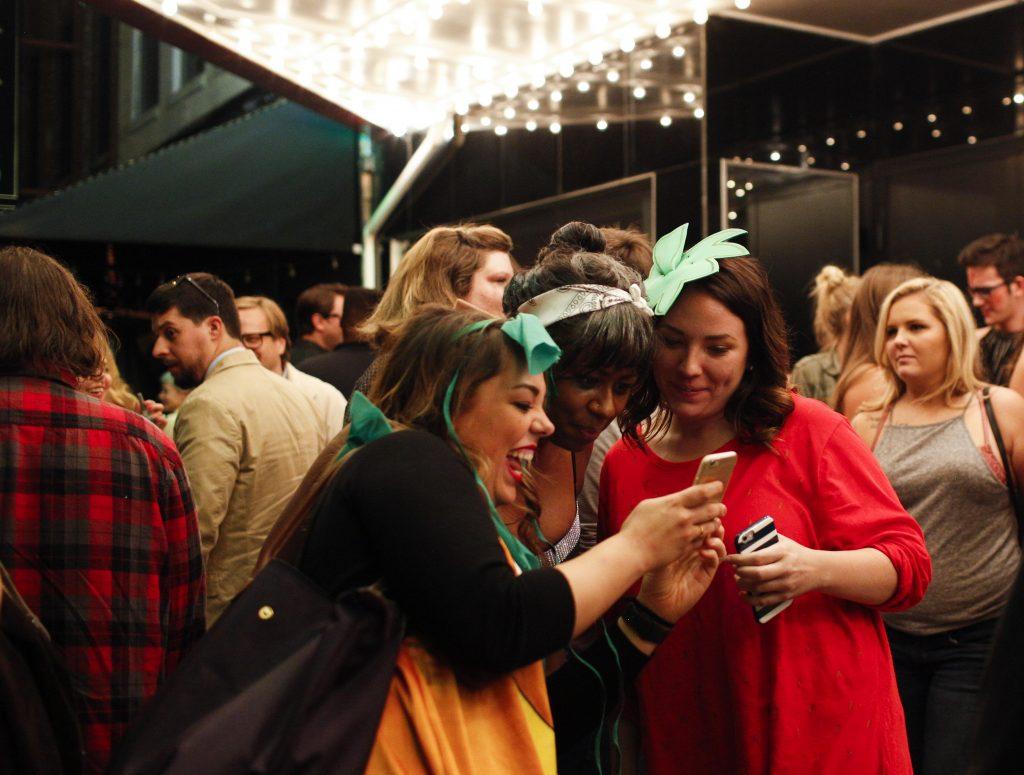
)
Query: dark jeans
[{"x": 939, "y": 677}]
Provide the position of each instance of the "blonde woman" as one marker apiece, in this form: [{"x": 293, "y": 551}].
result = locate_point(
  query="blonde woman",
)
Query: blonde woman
[
  {"x": 447, "y": 264},
  {"x": 861, "y": 378},
  {"x": 110, "y": 386},
  {"x": 815, "y": 375},
  {"x": 465, "y": 265},
  {"x": 931, "y": 435}
]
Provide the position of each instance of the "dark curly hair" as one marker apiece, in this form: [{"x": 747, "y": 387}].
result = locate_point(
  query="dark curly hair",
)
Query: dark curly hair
[
  {"x": 619, "y": 337},
  {"x": 762, "y": 401}
]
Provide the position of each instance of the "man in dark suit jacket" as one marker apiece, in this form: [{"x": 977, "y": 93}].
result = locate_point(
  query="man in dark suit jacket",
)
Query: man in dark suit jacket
[{"x": 343, "y": 366}]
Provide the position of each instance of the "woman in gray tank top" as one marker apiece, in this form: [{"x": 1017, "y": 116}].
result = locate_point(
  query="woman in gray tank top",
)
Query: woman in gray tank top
[{"x": 930, "y": 434}]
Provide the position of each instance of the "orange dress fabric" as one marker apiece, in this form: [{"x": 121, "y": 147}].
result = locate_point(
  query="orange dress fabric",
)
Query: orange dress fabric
[{"x": 432, "y": 723}]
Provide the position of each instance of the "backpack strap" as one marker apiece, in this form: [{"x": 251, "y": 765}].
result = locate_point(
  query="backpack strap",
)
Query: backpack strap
[{"x": 1011, "y": 484}]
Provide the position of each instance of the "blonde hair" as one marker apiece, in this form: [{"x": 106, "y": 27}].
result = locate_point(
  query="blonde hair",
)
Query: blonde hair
[
  {"x": 119, "y": 393},
  {"x": 438, "y": 269},
  {"x": 833, "y": 294},
  {"x": 950, "y": 307},
  {"x": 276, "y": 319},
  {"x": 857, "y": 355}
]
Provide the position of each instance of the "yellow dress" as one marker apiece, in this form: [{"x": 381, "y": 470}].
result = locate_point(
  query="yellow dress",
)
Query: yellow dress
[{"x": 433, "y": 724}]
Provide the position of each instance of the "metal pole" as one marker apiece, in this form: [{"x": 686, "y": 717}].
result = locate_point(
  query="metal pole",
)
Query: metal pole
[{"x": 436, "y": 138}]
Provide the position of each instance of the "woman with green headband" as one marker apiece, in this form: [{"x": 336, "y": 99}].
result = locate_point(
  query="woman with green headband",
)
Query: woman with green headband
[
  {"x": 409, "y": 500},
  {"x": 811, "y": 689}
]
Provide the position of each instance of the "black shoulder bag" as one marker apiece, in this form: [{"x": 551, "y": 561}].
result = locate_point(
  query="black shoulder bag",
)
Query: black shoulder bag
[
  {"x": 1011, "y": 484},
  {"x": 288, "y": 680}
]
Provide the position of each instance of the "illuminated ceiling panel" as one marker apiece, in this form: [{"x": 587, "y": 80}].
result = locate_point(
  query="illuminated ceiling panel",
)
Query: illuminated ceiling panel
[{"x": 407, "y": 64}]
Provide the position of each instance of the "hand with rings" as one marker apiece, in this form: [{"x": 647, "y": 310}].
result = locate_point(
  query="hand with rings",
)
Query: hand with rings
[{"x": 674, "y": 527}]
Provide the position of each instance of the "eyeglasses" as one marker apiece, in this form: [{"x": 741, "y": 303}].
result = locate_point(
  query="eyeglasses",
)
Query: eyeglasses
[
  {"x": 188, "y": 279},
  {"x": 255, "y": 340},
  {"x": 984, "y": 291}
]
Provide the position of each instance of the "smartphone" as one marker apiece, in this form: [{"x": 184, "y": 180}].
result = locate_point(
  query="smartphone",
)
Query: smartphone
[
  {"x": 754, "y": 538},
  {"x": 142, "y": 406},
  {"x": 716, "y": 467}
]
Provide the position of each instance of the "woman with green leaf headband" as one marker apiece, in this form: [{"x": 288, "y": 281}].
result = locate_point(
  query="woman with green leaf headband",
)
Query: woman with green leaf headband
[
  {"x": 812, "y": 689},
  {"x": 407, "y": 495}
]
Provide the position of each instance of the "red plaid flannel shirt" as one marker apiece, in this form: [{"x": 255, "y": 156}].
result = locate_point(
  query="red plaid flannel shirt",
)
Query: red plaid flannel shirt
[{"x": 98, "y": 531}]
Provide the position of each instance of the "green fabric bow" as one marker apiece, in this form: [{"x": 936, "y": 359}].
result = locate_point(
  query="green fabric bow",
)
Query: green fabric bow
[
  {"x": 539, "y": 348},
  {"x": 367, "y": 423},
  {"x": 541, "y": 353},
  {"x": 674, "y": 266}
]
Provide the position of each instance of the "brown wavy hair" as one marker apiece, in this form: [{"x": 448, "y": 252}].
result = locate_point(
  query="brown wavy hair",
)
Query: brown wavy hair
[
  {"x": 417, "y": 365},
  {"x": 762, "y": 401},
  {"x": 49, "y": 324},
  {"x": 438, "y": 269}
]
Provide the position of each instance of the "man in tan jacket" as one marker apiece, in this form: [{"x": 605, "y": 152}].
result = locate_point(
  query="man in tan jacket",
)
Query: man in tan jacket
[{"x": 246, "y": 435}]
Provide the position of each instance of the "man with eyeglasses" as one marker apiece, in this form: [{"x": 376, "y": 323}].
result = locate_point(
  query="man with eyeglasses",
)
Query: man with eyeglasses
[
  {"x": 318, "y": 312},
  {"x": 995, "y": 285},
  {"x": 265, "y": 332},
  {"x": 246, "y": 436}
]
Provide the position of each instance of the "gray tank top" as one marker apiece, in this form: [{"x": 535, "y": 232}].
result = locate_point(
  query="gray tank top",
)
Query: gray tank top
[{"x": 945, "y": 483}]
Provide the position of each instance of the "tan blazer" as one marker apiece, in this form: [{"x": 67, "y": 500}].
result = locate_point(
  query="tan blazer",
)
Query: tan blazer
[{"x": 246, "y": 436}]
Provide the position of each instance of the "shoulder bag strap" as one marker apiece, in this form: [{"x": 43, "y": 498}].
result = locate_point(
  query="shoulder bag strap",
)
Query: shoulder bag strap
[
  {"x": 881, "y": 426},
  {"x": 1011, "y": 484}
]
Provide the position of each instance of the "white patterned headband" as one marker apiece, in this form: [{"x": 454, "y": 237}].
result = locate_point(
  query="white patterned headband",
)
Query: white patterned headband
[{"x": 570, "y": 300}]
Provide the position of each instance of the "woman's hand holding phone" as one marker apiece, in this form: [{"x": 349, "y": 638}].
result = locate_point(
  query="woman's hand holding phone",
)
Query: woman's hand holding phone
[
  {"x": 777, "y": 573},
  {"x": 674, "y": 527},
  {"x": 673, "y": 589}
]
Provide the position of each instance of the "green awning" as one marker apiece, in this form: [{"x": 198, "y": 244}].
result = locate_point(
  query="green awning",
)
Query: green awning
[{"x": 281, "y": 177}]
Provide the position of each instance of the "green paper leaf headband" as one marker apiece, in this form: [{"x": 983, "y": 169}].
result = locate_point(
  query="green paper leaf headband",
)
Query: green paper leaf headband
[{"x": 674, "y": 266}]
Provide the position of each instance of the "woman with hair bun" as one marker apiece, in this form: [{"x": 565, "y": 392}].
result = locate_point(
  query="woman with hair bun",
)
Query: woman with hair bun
[
  {"x": 594, "y": 309},
  {"x": 934, "y": 438},
  {"x": 812, "y": 689},
  {"x": 815, "y": 375}
]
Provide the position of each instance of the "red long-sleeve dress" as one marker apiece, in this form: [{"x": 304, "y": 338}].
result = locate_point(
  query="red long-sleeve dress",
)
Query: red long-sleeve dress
[{"x": 813, "y": 690}]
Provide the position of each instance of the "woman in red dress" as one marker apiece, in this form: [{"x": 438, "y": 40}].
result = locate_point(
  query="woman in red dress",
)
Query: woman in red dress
[{"x": 813, "y": 689}]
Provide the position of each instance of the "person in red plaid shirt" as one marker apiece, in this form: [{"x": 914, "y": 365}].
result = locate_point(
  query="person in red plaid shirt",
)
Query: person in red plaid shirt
[{"x": 97, "y": 524}]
